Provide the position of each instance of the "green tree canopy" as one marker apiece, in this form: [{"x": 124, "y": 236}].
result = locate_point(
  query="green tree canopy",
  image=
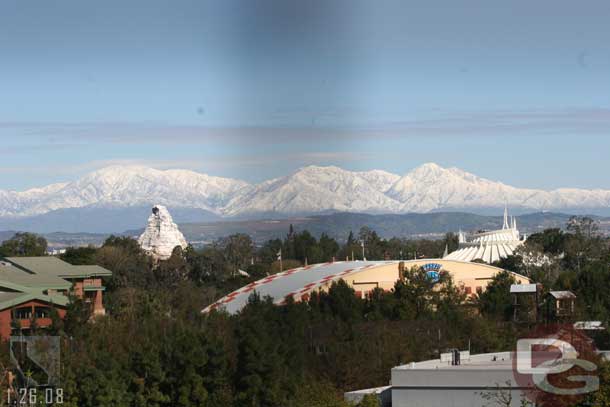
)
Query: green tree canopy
[
  {"x": 24, "y": 244},
  {"x": 495, "y": 301}
]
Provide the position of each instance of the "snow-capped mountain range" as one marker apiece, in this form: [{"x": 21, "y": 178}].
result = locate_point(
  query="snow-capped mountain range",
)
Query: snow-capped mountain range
[{"x": 308, "y": 190}]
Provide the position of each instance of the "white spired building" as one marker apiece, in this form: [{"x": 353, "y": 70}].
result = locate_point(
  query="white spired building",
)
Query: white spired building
[
  {"x": 161, "y": 235},
  {"x": 489, "y": 246}
]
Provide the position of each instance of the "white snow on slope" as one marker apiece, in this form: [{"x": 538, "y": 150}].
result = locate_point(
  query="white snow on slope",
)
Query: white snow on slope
[
  {"x": 312, "y": 189},
  {"x": 318, "y": 189},
  {"x": 125, "y": 186}
]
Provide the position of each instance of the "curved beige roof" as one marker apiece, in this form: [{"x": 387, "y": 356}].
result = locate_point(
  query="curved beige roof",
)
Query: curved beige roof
[
  {"x": 363, "y": 276},
  {"x": 295, "y": 282}
]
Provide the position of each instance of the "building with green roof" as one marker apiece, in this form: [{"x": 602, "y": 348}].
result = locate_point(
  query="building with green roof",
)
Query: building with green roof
[{"x": 31, "y": 286}]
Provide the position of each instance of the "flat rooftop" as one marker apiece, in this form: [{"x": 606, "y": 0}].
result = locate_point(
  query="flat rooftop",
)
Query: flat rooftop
[{"x": 484, "y": 361}]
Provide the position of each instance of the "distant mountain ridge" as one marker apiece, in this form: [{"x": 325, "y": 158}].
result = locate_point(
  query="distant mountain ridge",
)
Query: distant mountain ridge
[
  {"x": 307, "y": 191},
  {"x": 317, "y": 189},
  {"x": 124, "y": 186}
]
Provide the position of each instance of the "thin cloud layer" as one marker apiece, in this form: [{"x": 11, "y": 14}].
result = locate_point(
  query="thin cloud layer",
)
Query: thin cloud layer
[
  {"x": 489, "y": 124},
  {"x": 498, "y": 144}
]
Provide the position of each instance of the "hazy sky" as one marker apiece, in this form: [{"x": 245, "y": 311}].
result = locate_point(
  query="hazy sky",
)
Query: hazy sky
[{"x": 517, "y": 91}]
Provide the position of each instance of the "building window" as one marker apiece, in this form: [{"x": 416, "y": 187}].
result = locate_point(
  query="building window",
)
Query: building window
[
  {"x": 468, "y": 290},
  {"x": 42, "y": 312},
  {"x": 23, "y": 313}
]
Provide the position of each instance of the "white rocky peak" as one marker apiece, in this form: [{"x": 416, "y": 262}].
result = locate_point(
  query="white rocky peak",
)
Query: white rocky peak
[
  {"x": 161, "y": 235},
  {"x": 430, "y": 187},
  {"x": 311, "y": 189},
  {"x": 316, "y": 189},
  {"x": 382, "y": 180},
  {"x": 125, "y": 186}
]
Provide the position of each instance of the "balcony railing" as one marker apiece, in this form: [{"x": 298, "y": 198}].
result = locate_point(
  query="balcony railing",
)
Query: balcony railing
[{"x": 90, "y": 282}]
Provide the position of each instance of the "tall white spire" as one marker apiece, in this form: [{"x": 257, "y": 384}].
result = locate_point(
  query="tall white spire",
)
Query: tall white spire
[
  {"x": 505, "y": 226},
  {"x": 489, "y": 246}
]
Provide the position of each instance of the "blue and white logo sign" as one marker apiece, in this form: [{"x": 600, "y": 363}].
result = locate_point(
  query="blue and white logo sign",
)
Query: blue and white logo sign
[{"x": 432, "y": 271}]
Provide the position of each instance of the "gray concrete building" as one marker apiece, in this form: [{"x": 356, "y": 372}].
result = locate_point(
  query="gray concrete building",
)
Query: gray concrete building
[{"x": 457, "y": 379}]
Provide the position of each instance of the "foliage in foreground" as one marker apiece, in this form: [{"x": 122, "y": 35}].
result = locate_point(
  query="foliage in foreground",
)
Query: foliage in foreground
[{"x": 155, "y": 348}]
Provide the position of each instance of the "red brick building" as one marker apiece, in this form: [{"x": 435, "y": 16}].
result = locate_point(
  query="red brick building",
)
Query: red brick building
[{"x": 31, "y": 286}]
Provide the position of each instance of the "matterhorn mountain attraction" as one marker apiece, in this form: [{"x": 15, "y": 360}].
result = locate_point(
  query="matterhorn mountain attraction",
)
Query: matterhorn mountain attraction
[{"x": 161, "y": 235}]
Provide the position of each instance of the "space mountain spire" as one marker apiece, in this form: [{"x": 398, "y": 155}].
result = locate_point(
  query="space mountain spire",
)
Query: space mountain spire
[
  {"x": 505, "y": 225},
  {"x": 461, "y": 237}
]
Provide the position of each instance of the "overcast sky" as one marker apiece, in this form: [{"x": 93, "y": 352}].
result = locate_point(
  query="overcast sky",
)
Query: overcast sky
[{"x": 515, "y": 91}]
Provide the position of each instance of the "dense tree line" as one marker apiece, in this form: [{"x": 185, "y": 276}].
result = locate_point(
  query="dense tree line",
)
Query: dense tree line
[
  {"x": 218, "y": 265},
  {"x": 24, "y": 244},
  {"x": 577, "y": 260},
  {"x": 155, "y": 348}
]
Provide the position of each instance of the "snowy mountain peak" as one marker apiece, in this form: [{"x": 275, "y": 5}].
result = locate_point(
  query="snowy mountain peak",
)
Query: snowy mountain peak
[
  {"x": 318, "y": 189},
  {"x": 311, "y": 189},
  {"x": 320, "y": 168},
  {"x": 432, "y": 171},
  {"x": 431, "y": 186},
  {"x": 115, "y": 173},
  {"x": 125, "y": 186},
  {"x": 429, "y": 167}
]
